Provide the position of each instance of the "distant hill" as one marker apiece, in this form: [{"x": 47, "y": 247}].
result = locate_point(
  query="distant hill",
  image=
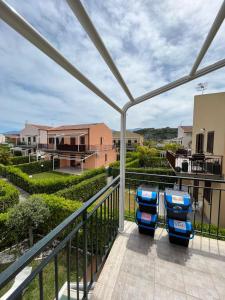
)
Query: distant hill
[
  {"x": 12, "y": 132},
  {"x": 158, "y": 134}
]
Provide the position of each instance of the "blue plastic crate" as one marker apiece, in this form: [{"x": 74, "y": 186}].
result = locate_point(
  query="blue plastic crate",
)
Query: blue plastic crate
[
  {"x": 180, "y": 232},
  {"x": 146, "y": 222},
  {"x": 147, "y": 199},
  {"x": 178, "y": 204}
]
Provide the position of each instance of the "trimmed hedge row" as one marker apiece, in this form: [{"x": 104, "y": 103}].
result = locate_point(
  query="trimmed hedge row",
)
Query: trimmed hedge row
[
  {"x": 84, "y": 190},
  {"x": 17, "y": 160},
  {"x": 9, "y": 196},
  {"x": 47, "y": 186},
  {"x": 133, "y": 163},
  {"x": 154, "y": 162},
  {"x": 38, "y": 166},
  {"x": 59, "y": 207}
]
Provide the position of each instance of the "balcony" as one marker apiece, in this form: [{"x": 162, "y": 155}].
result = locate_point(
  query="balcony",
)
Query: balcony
[
  {"x": 75, "y": 148},
  {"x": 196, "y": 164},
  {"x": 90, "y": 260}
]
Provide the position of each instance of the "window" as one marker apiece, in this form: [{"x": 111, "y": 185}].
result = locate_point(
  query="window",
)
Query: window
[
  {"x": 199, "y": 143},
  {"x": 34, "y": 139},
  {"x": 129, "y": 142},
  {"x": 207, "y": 191},
  {"x": 51, "y": 140},
  {"x": 82, "y": 140},
  {"x": 23, "y": 139},
  {"x": 210, "y": 141},
  {"x": 29, "y": 140},
  {"x": 72, "y": 141},
  {"x": 62, "y": 141},
  {"x": 135, "y": 141},
  {"x": 101, "y": 140},
  {"x": 106, "y": 157},
  {"x": 114, "y": 142}
]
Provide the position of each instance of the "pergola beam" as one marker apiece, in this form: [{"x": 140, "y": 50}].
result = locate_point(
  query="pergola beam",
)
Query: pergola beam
[
  {"x": 213, "y": 31},
  {"x": 176, "y": 83},
  {"x": 82, "y": 16},
  {"x": 18, "y": 23}
]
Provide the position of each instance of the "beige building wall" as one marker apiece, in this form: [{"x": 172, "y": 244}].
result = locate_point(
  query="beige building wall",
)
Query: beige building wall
[{"x": 209, "y": 115}]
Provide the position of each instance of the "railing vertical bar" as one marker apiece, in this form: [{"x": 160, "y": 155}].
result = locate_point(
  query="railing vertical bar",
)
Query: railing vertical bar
[
  {"x": 101, "y": 232},
  {"x": 77, "y": 266},
  {"x": 129, "y": 196},
  {"x": 111, "y": 228},
  {"x": 203, "y": 206},
  {"x": 218, "y": 219},
  {"x": 210, "y": 213},
  {"x": 108, "y": 225},
  {"x": 68, "y": 261},
  {"x": 91, "y": 237},
  {"x": 85, "y": 254},
  {"x": 96, "y": 228},
  {"x": 104, "y": 235},
  {"x": 56, "y": 277},
  {"x": 41, "y": 285}
]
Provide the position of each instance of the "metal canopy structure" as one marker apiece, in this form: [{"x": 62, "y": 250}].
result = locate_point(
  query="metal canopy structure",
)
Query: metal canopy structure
[{"x": 18, "y": 23}]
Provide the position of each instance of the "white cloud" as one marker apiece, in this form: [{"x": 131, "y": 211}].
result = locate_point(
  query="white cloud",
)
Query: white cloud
[{"x": 152, "y": 43}]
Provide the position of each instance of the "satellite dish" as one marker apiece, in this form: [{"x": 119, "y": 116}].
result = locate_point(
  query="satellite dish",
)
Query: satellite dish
[{"x": 202, "y": 86}]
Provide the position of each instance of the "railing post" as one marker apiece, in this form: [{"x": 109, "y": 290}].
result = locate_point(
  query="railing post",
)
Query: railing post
[
  {"x": 85, "y": 253},
  {"x": 122, "y": 170}
]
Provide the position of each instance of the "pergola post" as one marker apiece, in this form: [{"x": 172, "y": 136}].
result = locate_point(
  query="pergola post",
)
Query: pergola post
[{"x": 122, "y": 170}]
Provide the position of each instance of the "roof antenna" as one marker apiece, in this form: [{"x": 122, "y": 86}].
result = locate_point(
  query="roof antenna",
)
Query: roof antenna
[{"x": 202, "y": 86}]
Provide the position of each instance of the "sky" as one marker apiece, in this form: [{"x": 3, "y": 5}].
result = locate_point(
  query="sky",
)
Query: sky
[{"x": 152, "y": 43}]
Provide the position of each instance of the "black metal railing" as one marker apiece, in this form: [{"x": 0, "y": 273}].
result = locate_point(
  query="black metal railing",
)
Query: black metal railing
[
  {"x": 75, "y": 148},
  {"x": 71, "y": 255},
  {"x": 208, "y": 199},
  {"x": 206, "y": 164}
]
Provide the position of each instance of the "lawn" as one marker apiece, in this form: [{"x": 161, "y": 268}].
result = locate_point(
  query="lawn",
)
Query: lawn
[{"x": 49, "y": 175}]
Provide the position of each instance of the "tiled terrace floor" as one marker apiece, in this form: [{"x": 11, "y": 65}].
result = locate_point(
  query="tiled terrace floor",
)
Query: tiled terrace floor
[{"x": 139, "y": 267}]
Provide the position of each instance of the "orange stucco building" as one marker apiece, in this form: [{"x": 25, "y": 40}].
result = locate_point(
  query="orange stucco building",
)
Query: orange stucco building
[{"x": 84, "y": 146}]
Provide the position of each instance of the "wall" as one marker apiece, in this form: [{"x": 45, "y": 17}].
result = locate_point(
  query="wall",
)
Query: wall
[
  {"x": 209, "y": 111},
  {"x": 29, "y": 130}
]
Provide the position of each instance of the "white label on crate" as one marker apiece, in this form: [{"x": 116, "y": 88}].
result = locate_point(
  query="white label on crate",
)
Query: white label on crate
[
  {"x": 146, "y": 217},
  {"x": 179, "y": 225},
  {"x": 177, "y": 199},
  {"x": 146, "y": 194}
]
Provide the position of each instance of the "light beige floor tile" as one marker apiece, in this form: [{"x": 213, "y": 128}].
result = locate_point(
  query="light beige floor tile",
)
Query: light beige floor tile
[{"x": 165, "y": 293}]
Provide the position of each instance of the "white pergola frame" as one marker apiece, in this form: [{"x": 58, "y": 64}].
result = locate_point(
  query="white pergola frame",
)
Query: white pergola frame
[{"x": 18, "y": 23}]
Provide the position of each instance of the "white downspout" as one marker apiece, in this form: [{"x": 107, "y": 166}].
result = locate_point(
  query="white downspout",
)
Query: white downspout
[{"x": 122, "y": 171}]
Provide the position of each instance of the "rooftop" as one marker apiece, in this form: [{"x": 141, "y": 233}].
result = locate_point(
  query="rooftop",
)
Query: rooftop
[
  {"x": 71, "y": 127},
  {"x": 139, "y": 267},
  {"x": 129, "y": 134},
  {"x": 187, "y": 129}
]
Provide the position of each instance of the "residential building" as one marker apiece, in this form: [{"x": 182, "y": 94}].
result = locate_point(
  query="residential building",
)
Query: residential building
[
  {"x": 208, "y": 154},
  {"x": 83, "y": 146},
  {"x": 185, "y": 136},
  {"x": 2, "y": 139},
  {"x": 34, "y": 134},
  {"x": 132, "y": 140},
  {"x": 13, "y": 138}
]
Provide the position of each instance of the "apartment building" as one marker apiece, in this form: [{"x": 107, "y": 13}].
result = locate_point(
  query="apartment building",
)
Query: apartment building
[
  {"x": 83, "y": 146},
  {"x": 2, "y": 138},
  {"x": 184, "y": 136},
  {"x": 132, "y": 140},
  {"x": 209, "y": 141},
  {"x": 34, "y": 134}
]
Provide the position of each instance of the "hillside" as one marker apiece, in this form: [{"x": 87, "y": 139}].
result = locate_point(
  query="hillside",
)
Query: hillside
[{"x": 158, "y": 134}]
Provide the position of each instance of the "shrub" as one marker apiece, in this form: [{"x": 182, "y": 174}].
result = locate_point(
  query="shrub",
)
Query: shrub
[
  {"x": 84, "y": 190},
  {"x": 133, "y": 163},
  {"x": 154, "y": 162},
  {"x": 47, "y": 186},
  {"x": 59, "y": 208},
  {"x": 5, "y": 156},
  {"x": 9, "y": 196},
  {"x": 17, "y": 160},
  {"x": 27, "y": 216},
  {"x": 38, "y": 166}
]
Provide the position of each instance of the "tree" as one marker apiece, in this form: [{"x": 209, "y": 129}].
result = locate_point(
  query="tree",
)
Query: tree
[
  {"x": 172, "y": 146},
  {"x": 5, "y": 156},
  {"x": 27, "y": 216}
]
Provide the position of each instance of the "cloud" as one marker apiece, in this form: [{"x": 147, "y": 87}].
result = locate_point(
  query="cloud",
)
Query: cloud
[{"x": 152, "y": 43}]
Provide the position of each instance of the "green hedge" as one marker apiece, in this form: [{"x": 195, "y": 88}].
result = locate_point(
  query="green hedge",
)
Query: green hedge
[
  {"x": 84, "y": 190},
  {"x": 48, "y": 186},
  {"x": 133, "y": 163},
  {"x": 38, "y": 166},
  {"x": 17, "y": 160},
  {"x": 9, "y": 196},
  {"x": 59, "y": 207},
  {"x": 154, "y": 162}
]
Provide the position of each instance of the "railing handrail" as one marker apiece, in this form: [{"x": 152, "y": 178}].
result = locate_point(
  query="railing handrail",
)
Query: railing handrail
[
  {"x": 28, "y": 256},
  {"x": 178, "y": 177}
]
